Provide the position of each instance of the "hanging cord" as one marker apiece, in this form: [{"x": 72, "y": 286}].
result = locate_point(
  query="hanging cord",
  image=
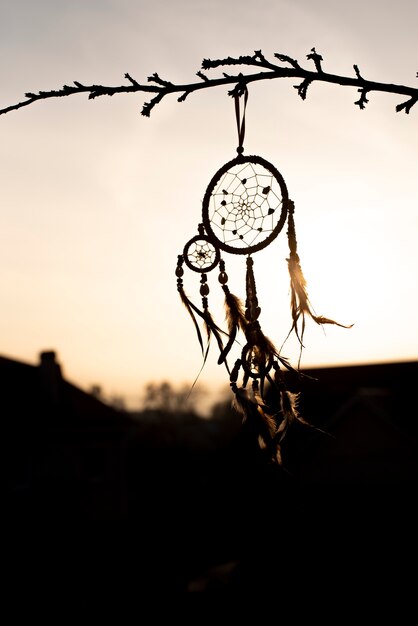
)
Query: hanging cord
[{"x": 240, "y": 90}]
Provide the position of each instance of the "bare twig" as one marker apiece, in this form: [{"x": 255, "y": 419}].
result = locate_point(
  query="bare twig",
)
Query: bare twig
[{"x": 267, "y": 71}]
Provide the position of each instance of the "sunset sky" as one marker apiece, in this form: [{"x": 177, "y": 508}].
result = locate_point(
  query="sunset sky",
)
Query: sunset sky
[{"x": 97, "y": 201}]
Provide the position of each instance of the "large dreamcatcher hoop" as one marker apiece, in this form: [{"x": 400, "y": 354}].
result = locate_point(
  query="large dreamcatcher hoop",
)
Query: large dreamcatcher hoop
[{"x": 245, "y": 207}]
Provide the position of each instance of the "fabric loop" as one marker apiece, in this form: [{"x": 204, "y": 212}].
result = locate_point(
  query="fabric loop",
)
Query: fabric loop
[{"x": 240, "y": 120}]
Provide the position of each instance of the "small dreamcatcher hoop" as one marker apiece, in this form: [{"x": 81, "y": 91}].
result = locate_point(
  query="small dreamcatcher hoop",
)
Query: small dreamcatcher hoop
[
  {"x": 200, "y": 254},
  {"x": 245, "y": 207}
]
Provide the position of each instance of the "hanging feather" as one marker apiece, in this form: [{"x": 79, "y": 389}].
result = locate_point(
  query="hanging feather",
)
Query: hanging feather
[
  {"x": 289, "y": 409},
  {"x": 211, "y": 327},
  {"x": 235, "y": 318},
  {"x": 256, "y": 415},
  {"x": 299, "y": 300},
  {"x": 253, "y": 408},
  {"x": 265, "y": 413},
  {"x": 188, "y": 303}
]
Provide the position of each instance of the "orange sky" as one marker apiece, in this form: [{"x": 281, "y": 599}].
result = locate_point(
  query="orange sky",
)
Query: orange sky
[{"x": 97, "y": 201}]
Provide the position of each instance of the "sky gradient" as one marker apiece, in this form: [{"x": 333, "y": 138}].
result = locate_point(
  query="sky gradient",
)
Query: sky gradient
[{"x": 97, "y": 201}]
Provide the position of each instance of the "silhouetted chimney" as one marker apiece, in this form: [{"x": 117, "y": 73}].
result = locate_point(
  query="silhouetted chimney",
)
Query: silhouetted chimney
[{"x": 51, "y": 377}]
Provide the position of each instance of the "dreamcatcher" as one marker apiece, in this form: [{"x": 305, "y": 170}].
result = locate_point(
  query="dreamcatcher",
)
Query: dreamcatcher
[{"x": 245, "y": 207}]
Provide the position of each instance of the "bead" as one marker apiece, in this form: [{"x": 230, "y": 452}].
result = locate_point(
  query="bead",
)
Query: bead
[
  {"x": 204, "y": 289},
  {"x": 223, "y": 278},
  {"x": 179, "y": 271}
]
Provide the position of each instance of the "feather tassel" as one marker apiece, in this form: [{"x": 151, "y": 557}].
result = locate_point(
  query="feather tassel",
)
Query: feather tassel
[
  {"x": 235, "y": 318},
  {"x": 253, "y": 413},
  {"x": 299, "y": 300},
  {"x": 190, "y": 307},
  {"x": 213, "y": 329}
]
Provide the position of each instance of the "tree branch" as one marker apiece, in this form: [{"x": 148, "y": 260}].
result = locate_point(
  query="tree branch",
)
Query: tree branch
[{"x": 290, "y": 68}]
